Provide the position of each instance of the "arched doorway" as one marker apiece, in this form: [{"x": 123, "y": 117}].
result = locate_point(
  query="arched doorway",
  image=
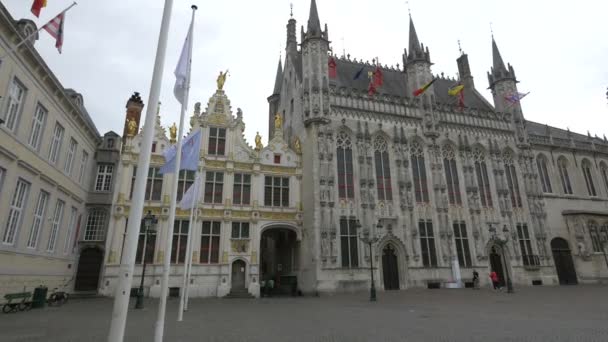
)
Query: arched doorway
[
  {"x": 390, "y": 268},
  {"x": 496, "y": 264},
  {"x": 279, "y": 259},
  {"x": 238, "y": 276},
  {"x": 89, "y": 266},
  {"x": 563, "y": 262}
]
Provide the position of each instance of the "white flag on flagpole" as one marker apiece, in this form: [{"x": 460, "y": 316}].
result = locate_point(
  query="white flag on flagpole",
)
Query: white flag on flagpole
[
  {"x": 190, "y": 199},
  {"x": 182, "y": 70}
]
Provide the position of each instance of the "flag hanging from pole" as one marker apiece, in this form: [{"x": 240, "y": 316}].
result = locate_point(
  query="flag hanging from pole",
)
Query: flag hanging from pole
[
  {"x": 182, "y": 70},
  {"x": 421, "y": 91},
  {"x": 332, "y": 68},
  {"x": 358, "y": 74},
  {"x": 514, "y": 98},
  {"x": 458, "y": 90},
  {"x": 55, "y": 29},
  {"x": 190, "y": 198},
  {"x": 37, "y": 5},
  {"x": 190, "y": 154},
  {"x": 378, "y": 78}
]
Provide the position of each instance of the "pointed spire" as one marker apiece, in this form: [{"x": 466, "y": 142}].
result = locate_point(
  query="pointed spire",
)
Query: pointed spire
[
  {"x": 499, "y": 71},
  {"x": 314, "y": 24},
  {"x": 414, "y": 43},
  {"x": 279, "y": 79},
  {"x": 416, "y": 50},
  {"x": 498, "y": 63}
]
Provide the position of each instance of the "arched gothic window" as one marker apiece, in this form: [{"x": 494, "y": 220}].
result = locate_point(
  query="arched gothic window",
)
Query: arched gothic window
[
  {"x": 344, "y": 155},
  {"x": 541, "y": 163},
  {"x": 597, "y": 234},
  {"x": 481, "y": 171},
  {"x": 562, "y": 166},
  {"x": 586, "y": 166},
  {"x": 383, "y": 171},
  {"x": 512, "y": 181},
  {"x": 604, "y": 172},
  {"x": 419, "y": 173},
  {"x": 451, "y": 175}
]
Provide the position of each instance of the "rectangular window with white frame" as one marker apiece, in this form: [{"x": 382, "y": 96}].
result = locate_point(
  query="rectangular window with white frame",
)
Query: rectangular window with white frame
[
  {"x": 96, "y": 224},
  {"x": 16, "y": 212},
  {"x": 56, "y": 225},
  {"x": 69, "y": 160},
  {"x": 525, "y": 245},
  {"x": 462, "y": 244},
  {"x": 71, "y": 227},
  {"x": 16, "y": 97},
  {"x": 427, "y": 243},
  {"x": 39, "y": 214},
  {"x": 180, "y": 241},
  {"x": 349, "y": 242},
  {"x": 103, "y": 183},
  {"x": 210, "y": 242},
  {"x": 240, "y": 230},
  {"x": 276, "y": 191},
  {"x": 214, "y": 185},
  {"x": 241, "y": 190},
  {"x": 84, "y": 160},
  {"x": 56, "y": 141},
  {"x": 38, "y": 127}
]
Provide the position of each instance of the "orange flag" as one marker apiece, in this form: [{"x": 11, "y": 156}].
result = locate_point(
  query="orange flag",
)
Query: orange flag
[{"x": 37, "y": 6}]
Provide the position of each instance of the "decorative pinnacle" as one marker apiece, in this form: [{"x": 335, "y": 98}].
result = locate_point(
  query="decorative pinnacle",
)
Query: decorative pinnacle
[
  {"x": 459, "y": 47},
  {"x": 291, "y": 9},
  {"x": 194, "y": 7}
]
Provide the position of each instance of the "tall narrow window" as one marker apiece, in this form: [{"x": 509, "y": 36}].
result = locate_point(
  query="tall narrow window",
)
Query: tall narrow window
[
  {"x": 562, "y": 166},
  {"x": 594, "y": 234},
  {"x": 348, "y": 242},
  {"x": 180, "y": 240},
  {"x": 2, "y": 173},
  {"x": 528, "y": 258},
  {"x": 427, "y": 243},
  {"x": 96, "y": 225},
  {"x": 383, "y": 170},
  {"x": 104, "y": 177},
  {"x": 39, "y": 213},
  {"x": 451, "y": 175},
  {"x": 586, "y": 166},
  {"x": 214, "y": 185},
  {"x": 16, "y": 93},
  {"x": 276, "y": 191},
  {"x": 541, "y": 163},
  {"x": 604, "y": 172},
  {"x": 344, "y": 156},
  {"x": 512, "y": 182},
  {"x": 55, "y": 146},
  {"x": 69, "y": 160},
  {"x": 71, "y": 228},
  {"x": 217, "y": 141},
  {"x": 146, "y": 245},
  {"x": 240, "y": 230},
  {"x": 56, "y": 225},
  {"x": 483, "y": 183},
  {"x": 16, "y": 210},
  {"x": 462, "y": 244},
  {"x": 186, "y": 179},
  {"x": 84, "y": 160},
  {"x": 37, "y": 127},
  {"x": 419, "y": 173},
  {"x": 210, "y": 242},
  {"x": 241, "y": 190}
]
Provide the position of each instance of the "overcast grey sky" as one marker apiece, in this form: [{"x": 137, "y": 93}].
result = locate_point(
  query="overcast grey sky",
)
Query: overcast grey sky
[{"x": 559, "y": 49}]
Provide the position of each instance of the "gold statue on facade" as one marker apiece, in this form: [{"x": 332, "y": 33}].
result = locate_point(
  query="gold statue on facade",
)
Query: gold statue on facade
[
  {"x": 221, "y": 79},
  {"x": 297, "y": 145},
  {"x": 131, "y": 127},
  {"x": 278, "y": 121},
  {"x": 173, "y": 134},
  {"x": 258, "y": 141}
]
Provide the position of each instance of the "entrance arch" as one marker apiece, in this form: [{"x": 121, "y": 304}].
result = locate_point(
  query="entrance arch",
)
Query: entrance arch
[
  {"x": 279, "y": 258},
  {"x": 563, "y": 262},
  {"x": 390, "y": 268},
  {"x": 89, "y": 267},
  {"x": 238, "y": 276},
  {"x": 496, "y": 263}
]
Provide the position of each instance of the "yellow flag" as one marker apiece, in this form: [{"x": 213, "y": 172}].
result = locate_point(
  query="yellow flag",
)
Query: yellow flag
[{"x": 455, "y": 90}]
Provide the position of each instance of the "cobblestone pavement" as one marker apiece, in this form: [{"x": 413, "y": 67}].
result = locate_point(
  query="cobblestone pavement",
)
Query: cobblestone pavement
[{"x": 571, "y": 313}]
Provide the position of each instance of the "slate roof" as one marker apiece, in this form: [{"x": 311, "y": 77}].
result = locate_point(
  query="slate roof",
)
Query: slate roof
[{"x": 544, "y": 130}]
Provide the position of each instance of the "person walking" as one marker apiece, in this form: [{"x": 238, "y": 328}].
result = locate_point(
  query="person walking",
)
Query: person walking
[
  {"x": 495, "y": 282},
  {"x": 475, "y": 280}
]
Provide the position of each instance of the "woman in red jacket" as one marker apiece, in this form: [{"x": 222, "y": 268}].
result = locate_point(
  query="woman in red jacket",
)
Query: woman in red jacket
[{"x": 494, "y": 278}]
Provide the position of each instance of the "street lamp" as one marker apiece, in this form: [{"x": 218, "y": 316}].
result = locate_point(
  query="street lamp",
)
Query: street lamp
[
  {"x": 369, "y": 240},
  {"x": 148, "y": 221},
  {"x": 502, "y": 242}
]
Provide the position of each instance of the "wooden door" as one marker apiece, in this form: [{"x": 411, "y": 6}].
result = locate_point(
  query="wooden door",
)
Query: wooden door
[{"x": 390, "y": 268}]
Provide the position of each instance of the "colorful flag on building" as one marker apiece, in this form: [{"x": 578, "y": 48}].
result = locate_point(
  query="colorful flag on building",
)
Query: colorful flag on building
[
  {"x": 55, "y": 29},
  {"x": 182, "y": 70},
  {"x": 455, "y": 90},
  {"x": 37, "y": 5},
  {"x": 358, "y": 74},
  {"x": 515, "y": 98},
  {"x": 421, "y": 91},
  {"x": 332, "y": 68},
  {"x": 371, "y": 90},
  {"x": 191, "y": 146},
  {"x": 378, "y": 77}
]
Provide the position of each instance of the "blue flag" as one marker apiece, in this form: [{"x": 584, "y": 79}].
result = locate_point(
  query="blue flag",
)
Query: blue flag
[
  {"x": 190, "y": 154},
  {"x": 358, "y": 74}
]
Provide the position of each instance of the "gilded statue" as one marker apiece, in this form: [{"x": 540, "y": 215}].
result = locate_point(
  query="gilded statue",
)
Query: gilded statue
[
  {"x": 173, "y": 134},
  {"x": 131, "y": 127},
  {"x": 297, "y": 146},
  {"x": 221, "y": 79},
  {"x": 258, "y": 141},
  {"x": 278, "y": 121}
]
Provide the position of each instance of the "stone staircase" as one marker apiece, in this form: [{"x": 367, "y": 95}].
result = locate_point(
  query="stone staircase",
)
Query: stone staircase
[{"x": 239, "y": 294}]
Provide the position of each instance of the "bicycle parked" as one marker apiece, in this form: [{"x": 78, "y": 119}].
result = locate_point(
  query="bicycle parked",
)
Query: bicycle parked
[{"x": 57, "y": 298}]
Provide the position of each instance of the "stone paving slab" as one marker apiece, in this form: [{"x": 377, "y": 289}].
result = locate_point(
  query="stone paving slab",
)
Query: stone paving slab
[{"x": 571, "y": 313}]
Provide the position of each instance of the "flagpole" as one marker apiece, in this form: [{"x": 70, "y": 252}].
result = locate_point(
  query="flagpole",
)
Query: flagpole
[
  {"x": 123, "y": 289},
  {"x": 35, "y": 32},
  {"x": 180, "y": 313},
  {"x": 164, "y": 289}
]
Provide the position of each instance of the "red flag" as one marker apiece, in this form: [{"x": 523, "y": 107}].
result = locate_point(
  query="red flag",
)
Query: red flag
[
  {"x": 371, "y": 90},
  {"x": 461, "y": 100},
  {"x": 55, "y": 29},
  {"x": 420, "y": 91},
  {"x": 378, "y": 77},
  {"x": 332, "y": 67},
  {"x": 37, "y": 6}
]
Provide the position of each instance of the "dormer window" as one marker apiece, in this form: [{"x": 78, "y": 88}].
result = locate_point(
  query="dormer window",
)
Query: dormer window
[
  {"x": 110, "y": 143},
  {"x": 277, "y": 159}
]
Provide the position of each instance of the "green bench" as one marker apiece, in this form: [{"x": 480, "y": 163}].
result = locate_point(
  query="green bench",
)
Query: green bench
[{"x": 17, "y": 302}]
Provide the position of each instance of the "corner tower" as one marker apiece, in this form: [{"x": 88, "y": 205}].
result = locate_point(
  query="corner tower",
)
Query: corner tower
[{"x": 417, "y": 63}]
